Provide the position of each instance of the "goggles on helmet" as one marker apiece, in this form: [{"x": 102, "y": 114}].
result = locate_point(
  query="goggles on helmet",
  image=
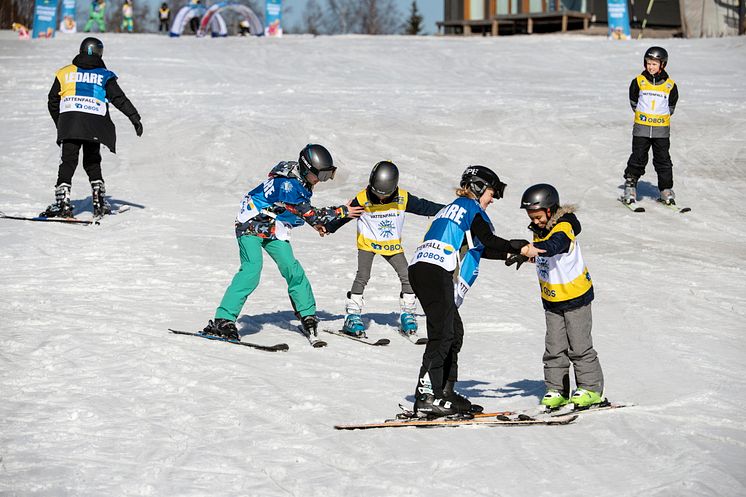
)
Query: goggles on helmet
[
  {"x": 321, "y": 174},
  {"x": 324, "y": 174}
]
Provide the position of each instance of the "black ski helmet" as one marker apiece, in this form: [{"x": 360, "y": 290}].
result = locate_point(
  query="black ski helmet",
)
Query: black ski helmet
[
  {"x": 541, "y": 196},
  {"x": 92, "y": 46},
  {"x": 479, "y": 178},
  {"x": 384, "y": 178},
  {"x": 656, "y": 53},
  {"x": 316, "y": 159}
]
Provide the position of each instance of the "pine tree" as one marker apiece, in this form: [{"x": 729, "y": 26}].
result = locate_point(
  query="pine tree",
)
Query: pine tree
[{"x": 414, "y": 23}]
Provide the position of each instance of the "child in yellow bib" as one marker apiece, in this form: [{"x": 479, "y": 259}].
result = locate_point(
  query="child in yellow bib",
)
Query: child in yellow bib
[
  {"x": 653, "y": 96},
  {"x": 567, "y": 293},
  {"x": 379, "y": 231}
]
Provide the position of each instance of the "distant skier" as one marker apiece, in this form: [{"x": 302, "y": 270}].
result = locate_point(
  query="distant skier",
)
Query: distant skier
[
  {"x": 567, "y": 293},
  {"x": 164, "y": 17},
  {"x": 78, "y": 104},
  {"x": 127, "y": 14},
  {"x": 96, "y": 15},
  {"x": 379, "y": 231},
  {"x": 459, "y": 237},
  {"x": 653, "y": 96},
  {"x": 267, "y": 214}
]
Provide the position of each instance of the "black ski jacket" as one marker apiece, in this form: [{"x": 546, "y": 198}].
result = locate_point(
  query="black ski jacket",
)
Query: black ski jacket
[{"x": 90, "y": 127}]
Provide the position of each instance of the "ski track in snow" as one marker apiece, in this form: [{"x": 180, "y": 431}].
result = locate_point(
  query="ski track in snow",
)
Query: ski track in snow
[{"x": 99, "y": 399}]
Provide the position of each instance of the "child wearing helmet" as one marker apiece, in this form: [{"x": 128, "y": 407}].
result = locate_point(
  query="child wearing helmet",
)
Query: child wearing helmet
[
  {"x": 379, "y": 231},
  {"x": 79, "y": 105},
  {"x": 653, "y": 96},
  {"x": 266, "y": 216},
  {"x": 566, "y": 293},
  {"x": 459, "y": 237}
]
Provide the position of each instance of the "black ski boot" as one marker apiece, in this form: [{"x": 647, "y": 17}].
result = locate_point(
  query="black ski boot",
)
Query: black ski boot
[
  {"x": 98, "y": 196},
  {"x": 61, "y": 206},
  {"x": 461, "y": 403},
  {"x": 427, "y": 405},
  {"x": 222, "y": 328},
  {"x": 309, "y": 324}
]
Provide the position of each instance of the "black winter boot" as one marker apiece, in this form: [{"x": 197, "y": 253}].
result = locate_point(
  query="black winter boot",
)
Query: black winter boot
[
  {"x": 98, "y": 196},
  {"x": 461, "y": 403},
  {"x": 222, "y": 328},
  {"x": 61, "y": 206},
  {"x": 309, "y": 324},
  {"x": 427, "y": 405}
]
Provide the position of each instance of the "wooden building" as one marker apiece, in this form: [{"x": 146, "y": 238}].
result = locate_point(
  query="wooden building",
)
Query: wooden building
[{"x": 497, "y": 17}]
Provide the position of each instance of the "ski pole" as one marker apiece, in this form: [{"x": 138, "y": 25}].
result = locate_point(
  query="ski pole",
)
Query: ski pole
[{"x": 645, "y": 21}]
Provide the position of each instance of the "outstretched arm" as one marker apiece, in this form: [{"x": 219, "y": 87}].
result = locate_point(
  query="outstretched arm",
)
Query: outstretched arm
[
  {"x": 335, "y": 224},
  {"x": 422, "y": 207}
]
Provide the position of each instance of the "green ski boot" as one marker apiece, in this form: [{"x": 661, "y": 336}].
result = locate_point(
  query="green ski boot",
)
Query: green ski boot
[
  {"x": 586, "y": 398},
  {"x": 554, "y": 400}
]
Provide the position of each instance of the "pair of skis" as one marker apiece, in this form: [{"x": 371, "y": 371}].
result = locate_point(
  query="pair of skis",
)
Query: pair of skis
[
  {"x": 634, "y": 207},
  {"x": 96, "y": 220},
  {"x": 315, "y": 341},
  {"x": 498, "y": 418}
]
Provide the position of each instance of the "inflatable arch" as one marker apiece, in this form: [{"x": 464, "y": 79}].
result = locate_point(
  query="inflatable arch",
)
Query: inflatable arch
[
  {"x": 213, "y": 13},
  {"x": 182, "y": 18}
]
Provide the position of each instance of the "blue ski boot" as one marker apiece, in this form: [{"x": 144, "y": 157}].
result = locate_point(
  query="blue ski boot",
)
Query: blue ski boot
[
  {"x": 407, "y": 320},
  {"x": 353, "y": 322}
]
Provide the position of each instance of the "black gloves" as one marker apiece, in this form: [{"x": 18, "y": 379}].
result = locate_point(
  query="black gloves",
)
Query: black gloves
[
  {"x": 137, "y": 124},
  {"x": 517, "y": 245},
  {"x": 516, "y": 259}
]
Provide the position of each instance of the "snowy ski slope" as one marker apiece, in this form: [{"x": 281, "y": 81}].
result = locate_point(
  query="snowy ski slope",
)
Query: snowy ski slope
[{"x": 97, "y": 399}]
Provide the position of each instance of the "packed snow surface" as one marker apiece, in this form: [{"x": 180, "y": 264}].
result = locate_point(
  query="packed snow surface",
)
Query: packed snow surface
[{"x": 98, "y": 399}]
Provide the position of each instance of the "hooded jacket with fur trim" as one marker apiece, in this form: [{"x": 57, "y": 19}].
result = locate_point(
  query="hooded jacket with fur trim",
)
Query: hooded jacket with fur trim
[{"x": 563, "y": 276}]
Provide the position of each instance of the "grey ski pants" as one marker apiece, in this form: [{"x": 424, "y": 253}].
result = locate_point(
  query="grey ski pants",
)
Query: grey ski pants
[
  {"x": 568, "y": 339},
  {"x": 365, "y": 263}
]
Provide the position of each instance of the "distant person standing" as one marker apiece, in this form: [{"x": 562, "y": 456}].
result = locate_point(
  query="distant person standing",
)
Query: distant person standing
[
  {"x": 653, "y": 96},
  {"x": 164, "y": 17},
  {"x": 79, "y": 105},
  {"x": 194, "y": 21},
  {"x": 127, "y": 13},
  {"x": 97, "y": 15}
]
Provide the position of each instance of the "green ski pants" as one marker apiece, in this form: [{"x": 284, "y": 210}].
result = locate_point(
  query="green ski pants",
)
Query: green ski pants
[{"x": 247, "y": 278}]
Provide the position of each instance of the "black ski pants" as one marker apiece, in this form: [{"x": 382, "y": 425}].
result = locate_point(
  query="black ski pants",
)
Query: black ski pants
[
  {"x": 433, "y": 286},
  {"x": 661, "y": 160},
  {"x": 69, "y": 160}
]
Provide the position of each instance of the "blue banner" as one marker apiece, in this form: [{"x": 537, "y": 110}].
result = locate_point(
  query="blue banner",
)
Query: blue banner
[
  {"x": 272, "y": 18},
  {"x": 45, "y": 18},
  {"x": 68, "y": 24},
  {"x": 618, "y": 20}
]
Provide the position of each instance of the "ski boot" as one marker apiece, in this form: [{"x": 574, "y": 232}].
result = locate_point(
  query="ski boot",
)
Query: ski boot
[
  {"x": 309, "y": 324},
  {"x": 630, "y": 191},
  {"x": 61, "y": 206},
  {"x": 407, "y": 320},
  {"x": 667, "y": 197},
  {"x": 427, "y": 405},
  {"x": 223, "y": 328},
  {"x": 353, "y": 322},
  {"x": 98, "y": 196},
  {"x": 553, "y": 399},
  {"x": 583, "y": 398},
  {"x": 461, "y": 403}
]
